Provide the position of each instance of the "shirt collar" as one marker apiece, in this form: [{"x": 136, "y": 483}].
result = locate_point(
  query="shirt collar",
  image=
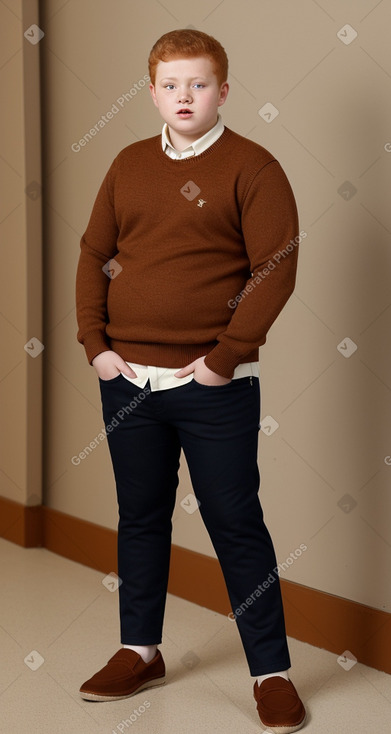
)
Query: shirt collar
[{"x": 200, "y": 145}]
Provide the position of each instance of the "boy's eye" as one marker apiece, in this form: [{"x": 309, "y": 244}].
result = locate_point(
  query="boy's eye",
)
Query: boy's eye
[
  {"x": 169, "y": 86},
  {"x": 198, "y": 84}
]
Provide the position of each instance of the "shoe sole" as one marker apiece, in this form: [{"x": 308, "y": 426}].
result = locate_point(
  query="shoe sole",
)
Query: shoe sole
[
  {"x": 283, "y": 729},
  {"x": 99, "y": 697}
]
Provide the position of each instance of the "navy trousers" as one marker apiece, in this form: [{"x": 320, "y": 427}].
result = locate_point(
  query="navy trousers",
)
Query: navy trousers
[{"x": 217, "y": 427}]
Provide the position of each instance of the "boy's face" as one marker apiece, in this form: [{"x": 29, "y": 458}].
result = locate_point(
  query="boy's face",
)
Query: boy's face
[{"x": 187, "y": 84}]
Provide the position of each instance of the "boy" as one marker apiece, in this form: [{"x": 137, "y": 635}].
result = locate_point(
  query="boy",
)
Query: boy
[{"x": 186, "y": 262}]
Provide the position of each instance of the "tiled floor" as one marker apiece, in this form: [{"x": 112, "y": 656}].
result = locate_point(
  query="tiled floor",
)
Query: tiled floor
[{"x": 58, "y": 613}]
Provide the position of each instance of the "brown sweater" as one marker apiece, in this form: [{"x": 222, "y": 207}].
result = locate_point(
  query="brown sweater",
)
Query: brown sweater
[{"x": 207, "y": 250}]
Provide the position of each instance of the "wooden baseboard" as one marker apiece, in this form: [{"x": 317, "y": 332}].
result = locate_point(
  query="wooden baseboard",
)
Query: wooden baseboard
[
  {"x": 312, "y": 616},
  {"x": 21, "y": 524}
]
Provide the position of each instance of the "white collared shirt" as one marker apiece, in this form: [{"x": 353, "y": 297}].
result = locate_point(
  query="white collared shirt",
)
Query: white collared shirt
[
  {"x": 199, "y": 146},
  {"x": 162, "y": 378}
]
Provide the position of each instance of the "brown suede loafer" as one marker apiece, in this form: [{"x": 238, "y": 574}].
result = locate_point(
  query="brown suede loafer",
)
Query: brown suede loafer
[
  {"x": 279, "y": 706},
  {"x": 124, "y": 675}
]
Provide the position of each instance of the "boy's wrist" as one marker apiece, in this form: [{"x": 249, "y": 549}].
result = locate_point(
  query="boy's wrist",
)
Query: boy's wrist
[
  {"x": 221, "y": 360},
  {"x": 97, "y": 355},
  {"x": 94, "y": 342}
]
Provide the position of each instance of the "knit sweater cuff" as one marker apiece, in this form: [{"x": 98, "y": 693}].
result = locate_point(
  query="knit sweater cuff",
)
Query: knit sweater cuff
[
  {"x": 222, "y": 361},
  {"x": 94, "y": 343}
]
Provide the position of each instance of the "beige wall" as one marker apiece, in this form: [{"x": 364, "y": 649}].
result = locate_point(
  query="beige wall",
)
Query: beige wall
[
  {"x": 325, "y": 480},
  {"x": 21, "y": 258}
]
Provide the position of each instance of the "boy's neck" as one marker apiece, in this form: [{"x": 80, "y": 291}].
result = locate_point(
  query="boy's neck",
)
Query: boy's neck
[{"x": 181, "y": 142}]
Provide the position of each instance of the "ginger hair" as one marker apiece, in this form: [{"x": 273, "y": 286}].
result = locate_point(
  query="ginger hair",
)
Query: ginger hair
[{"x": 189, "y": 43}]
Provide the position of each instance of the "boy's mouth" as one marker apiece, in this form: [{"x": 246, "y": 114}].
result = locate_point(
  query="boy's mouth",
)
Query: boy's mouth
[{"x": 184, "y": 112}]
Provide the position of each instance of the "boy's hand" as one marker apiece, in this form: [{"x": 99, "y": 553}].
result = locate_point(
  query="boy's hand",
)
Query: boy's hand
[
  {"x": 109, "y": 364},
  {"x": 202, "y": 373}
]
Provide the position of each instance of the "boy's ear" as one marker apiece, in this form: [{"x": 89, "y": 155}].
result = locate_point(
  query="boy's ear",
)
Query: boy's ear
[
  {"x": 224, "y": 89},
  {"x": 153, "y": 94}
]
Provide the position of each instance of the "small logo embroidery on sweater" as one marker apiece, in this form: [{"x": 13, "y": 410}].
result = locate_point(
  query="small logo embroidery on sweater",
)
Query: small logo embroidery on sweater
[{"x": 201, "y": 202}]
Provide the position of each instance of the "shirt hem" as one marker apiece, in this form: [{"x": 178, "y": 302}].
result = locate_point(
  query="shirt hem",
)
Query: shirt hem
[{"x": 168, "y": 355}]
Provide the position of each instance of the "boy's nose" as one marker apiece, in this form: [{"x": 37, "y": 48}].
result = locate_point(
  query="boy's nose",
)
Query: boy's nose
[{"x": 184, "y": 97}]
